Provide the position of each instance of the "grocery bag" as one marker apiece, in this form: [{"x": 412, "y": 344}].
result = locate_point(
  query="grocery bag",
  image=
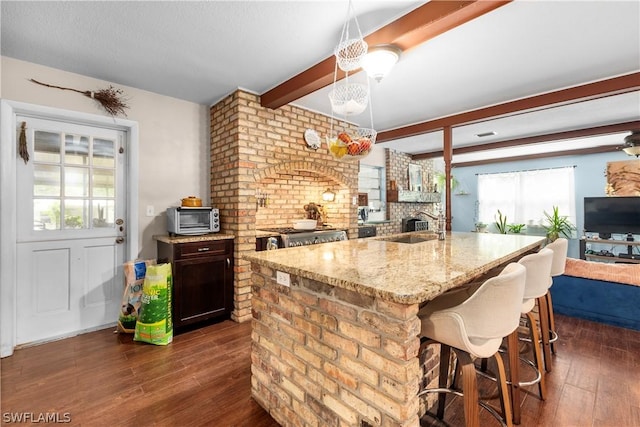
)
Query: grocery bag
[
  {"x": 134, "y": 272},
  {"x": 155, "y": 324}
]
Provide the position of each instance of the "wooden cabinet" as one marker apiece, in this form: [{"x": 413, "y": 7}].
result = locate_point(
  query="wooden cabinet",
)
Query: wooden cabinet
[{"x": 202, "y": 279}]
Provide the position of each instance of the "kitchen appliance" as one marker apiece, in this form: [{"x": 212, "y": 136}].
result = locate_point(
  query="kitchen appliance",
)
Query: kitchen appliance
[
  {"x": 192, "y": 221},
  {"x": 290, "y": 237}
]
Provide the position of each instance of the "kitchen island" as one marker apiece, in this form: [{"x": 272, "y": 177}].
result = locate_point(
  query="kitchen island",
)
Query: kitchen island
[{"x": 335, "y": 327}]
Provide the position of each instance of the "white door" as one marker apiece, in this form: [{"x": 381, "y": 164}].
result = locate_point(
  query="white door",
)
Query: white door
[{"x": 71, "y": 205}]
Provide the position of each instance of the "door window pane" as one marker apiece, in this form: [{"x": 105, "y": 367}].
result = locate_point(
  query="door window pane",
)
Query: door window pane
[
  {"x": 46, "y": 180},
  {"x": 46, "y": 214},
  {"x": 103, "y": 213},
  {"x": 104, "y": 152},
  {"x": 46, "y": 147},
  {"x": 75, "y": 214},
  {"x": 76, "y": 182},
  {"x": 76, "y": 149},
  {"x": 103, "y": 183}
]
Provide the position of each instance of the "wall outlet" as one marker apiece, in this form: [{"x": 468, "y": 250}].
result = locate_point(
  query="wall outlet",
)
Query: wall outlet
[
  {"x": 151, "y": 211},
  {"x": 283, "y": 279}
]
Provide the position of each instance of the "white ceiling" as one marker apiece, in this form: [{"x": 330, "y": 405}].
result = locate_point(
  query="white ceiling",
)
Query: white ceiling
[{"x": 202, "y": 51}]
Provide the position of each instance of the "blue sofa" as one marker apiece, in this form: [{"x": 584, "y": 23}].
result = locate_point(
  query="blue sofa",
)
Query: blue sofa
[{"x": 613, "y": 303}]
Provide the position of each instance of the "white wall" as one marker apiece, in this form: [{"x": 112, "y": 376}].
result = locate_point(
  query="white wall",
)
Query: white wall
[{"x": 173, "y": 137}]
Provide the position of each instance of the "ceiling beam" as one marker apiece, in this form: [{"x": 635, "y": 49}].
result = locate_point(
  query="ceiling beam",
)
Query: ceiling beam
[
  {"x": 577, "y": 152},
  {"x": 549, "y": 137},
  {"x": 424, "y": 23},
  {"x": 600, "y": 89}
]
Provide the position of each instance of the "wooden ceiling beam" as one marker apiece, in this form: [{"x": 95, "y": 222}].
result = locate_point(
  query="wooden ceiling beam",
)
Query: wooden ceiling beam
[
  {"x": 556, "y": 136},
  {"x": 577, "y": 152},
  {"x": 600, "y": 89},
  {"x": 422, "y": 24}
]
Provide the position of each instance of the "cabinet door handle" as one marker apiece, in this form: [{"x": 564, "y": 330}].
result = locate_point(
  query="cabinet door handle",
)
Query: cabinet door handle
[
  {"x": 203, "y": 249},
  {"x": 228, "y": 263}
]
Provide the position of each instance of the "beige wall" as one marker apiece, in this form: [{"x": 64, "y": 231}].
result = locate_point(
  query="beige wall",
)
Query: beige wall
[{"x": 173, "y": 137}]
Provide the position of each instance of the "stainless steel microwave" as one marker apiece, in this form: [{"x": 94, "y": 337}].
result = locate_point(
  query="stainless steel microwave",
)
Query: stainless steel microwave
[{"x": 192, "y": 221}]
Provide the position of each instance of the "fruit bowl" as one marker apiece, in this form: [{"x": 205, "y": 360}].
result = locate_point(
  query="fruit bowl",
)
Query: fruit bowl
[{"x": 348, "y": 146}]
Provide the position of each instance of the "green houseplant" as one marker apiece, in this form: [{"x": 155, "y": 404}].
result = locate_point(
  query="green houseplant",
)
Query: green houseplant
[
  {"x": 501, "y": 223},
  {"x": 515, "y": 228},
  {"x": 557, "y": 225}
]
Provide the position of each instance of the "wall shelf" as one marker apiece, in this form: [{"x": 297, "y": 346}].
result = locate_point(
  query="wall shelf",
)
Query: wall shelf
[
  {"x": 616, "y": 259},
  {"x": 412, "y": 196}
]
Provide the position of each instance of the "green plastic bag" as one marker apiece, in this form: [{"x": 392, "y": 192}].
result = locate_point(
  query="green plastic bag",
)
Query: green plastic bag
[{"x": 155, "y": 324}]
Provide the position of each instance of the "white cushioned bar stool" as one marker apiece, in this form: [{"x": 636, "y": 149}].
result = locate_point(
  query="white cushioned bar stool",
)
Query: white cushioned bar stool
[
  {"x": 559, "y": 248},
  {"x": 536, "y": 287},
  {"x": 472, "y": 321}
]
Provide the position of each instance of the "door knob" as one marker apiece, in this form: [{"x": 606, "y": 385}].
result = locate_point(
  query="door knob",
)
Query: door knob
[
  {"x": 119, "y": 221},
  {"x": 119, "y": 240}
]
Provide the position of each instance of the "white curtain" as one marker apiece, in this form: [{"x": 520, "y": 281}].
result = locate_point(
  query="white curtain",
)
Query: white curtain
[{"x": 524, "y": 196}]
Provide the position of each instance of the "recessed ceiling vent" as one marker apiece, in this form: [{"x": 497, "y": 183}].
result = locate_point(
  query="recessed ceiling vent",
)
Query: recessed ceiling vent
[{"x": 485, "y": 134}]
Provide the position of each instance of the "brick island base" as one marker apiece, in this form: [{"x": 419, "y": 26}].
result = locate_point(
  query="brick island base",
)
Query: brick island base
[{"x": 326, "y": 356}]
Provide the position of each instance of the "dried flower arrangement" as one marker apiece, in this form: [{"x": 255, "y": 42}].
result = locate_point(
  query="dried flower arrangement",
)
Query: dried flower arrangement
[{"x": 110, "y": 99}]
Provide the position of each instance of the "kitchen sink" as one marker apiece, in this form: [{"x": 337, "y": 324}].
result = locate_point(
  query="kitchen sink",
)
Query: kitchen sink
[{"x": 410, "y": 238}]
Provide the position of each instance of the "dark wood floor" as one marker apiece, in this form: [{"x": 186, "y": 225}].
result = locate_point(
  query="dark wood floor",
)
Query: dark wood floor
[{"x": 203, "y": 379}]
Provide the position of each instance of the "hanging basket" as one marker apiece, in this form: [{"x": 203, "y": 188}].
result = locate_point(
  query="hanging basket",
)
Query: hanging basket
[
  {"x": 352, "y": 146},
  {"x": 349, "y": 98},
  {"x": 349, "y": 53}
]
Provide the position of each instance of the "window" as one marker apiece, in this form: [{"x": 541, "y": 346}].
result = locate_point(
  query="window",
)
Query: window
[
  {"x": 74, "y": 181},
  {"x": 524, "y": 196}
]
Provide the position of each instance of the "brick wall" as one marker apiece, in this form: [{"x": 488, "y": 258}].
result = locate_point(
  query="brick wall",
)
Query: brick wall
[
  {"x": 397, "y": 165},
  {"x": 329, "y": 354},
  {"x": 259, "y": 149}
]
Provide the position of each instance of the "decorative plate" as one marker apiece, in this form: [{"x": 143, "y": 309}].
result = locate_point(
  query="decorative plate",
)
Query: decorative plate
[{"x": 312, "y": 138}]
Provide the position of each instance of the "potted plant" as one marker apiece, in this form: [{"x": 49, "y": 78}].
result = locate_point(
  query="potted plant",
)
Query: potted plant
[
  {"x": 557, "y": 225},
  {"x": 515, "y": 228},
  {"x": 501, "y": 223}
]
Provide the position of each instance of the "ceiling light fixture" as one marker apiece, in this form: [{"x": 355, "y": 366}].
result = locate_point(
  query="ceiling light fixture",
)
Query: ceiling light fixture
[
  {"x": 632, "y": 143},
  {"x": 380, "y": 59}
]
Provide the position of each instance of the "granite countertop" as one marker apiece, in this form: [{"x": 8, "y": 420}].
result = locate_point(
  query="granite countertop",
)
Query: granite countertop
[
  {"x": 189, "y": 239},
  {"x": 400, "y": 272}
]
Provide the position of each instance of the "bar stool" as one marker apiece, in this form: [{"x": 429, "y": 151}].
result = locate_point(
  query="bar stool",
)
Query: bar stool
[
  {"x": 536, "y": 287},
  {"x": 559, "y": 248},
  {"x": 537, "y": 283},
  {"x": 473, "y": 321}
]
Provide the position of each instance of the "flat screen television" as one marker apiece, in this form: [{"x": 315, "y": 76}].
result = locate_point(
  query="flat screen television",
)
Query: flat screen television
[{"x": 618, "y": 215}]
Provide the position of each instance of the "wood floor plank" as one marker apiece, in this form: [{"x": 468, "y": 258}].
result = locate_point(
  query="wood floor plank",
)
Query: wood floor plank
[{"x": 203, "y": 379}]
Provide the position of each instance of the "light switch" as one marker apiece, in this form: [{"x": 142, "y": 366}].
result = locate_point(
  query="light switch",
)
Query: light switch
[{"x": 151, "y": 211}]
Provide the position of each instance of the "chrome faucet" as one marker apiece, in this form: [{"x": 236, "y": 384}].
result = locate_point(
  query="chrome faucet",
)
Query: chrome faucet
[{"x": 439, "y": 218}]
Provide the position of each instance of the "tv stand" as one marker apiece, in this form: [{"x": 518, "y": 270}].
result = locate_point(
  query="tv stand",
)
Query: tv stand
[{"x": 629, "y": 257}]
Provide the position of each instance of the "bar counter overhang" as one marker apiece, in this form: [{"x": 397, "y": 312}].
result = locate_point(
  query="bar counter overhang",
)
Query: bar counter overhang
[{"x": 339, "y": 344}]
